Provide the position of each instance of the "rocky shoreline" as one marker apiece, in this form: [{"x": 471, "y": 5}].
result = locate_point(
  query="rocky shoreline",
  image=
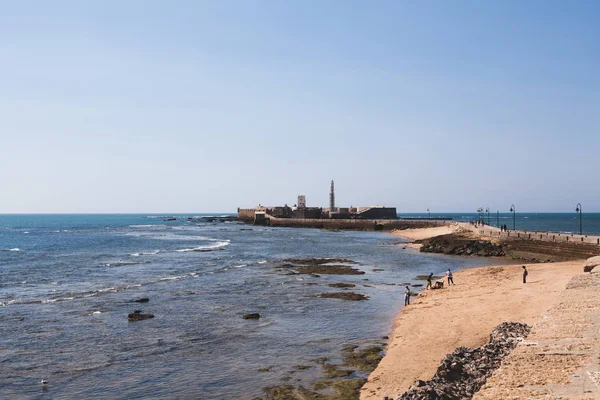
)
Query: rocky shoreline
[{"x": 463, "y": 372}]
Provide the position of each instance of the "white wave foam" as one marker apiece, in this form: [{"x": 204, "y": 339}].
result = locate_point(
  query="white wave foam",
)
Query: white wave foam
[
  {"x": 262, "y": 262},
  {"x": 211, "y": 247},
  {"x": 240, "y": 266},
  {"x": 172, "y": 278},
  {"x": 57, "y": 299},
  {"x": 126, "y": 263},
  {"x": 15, "y": 249},
  {"x": 145, "y": 253},
  {"x": 25, "y": 233}
]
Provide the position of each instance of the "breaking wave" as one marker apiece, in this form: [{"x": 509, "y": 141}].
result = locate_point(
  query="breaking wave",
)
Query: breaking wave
[
  {"x": 210, "y": 247},
  {"x": 145, "y": 253}
]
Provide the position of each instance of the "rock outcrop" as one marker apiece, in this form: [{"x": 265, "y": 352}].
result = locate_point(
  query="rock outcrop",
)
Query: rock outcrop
[
  {"x": 138, "y": 316},
  {"x": 461, "y": 246},
  {"x": 591, "y": 263}
]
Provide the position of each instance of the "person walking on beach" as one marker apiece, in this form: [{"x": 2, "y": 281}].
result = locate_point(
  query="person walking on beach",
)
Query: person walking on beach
[
  {"x": 525, "y": 273},
  {"x": 406, "y": 296},
  {"x": 429, "y": 279},
  {"x": 449, "y": 275}
]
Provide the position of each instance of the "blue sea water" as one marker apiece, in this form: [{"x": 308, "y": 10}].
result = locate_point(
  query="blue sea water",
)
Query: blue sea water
[
  {"x": 537, "y": 222},
  {"x": 67, "y": 283}
]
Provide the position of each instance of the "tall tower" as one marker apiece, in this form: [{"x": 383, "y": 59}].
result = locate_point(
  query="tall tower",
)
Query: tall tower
[{"x": 332, "y": 199}]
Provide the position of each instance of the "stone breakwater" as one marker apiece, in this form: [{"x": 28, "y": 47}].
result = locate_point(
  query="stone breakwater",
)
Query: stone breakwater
[
  {"x": 350, "y": 224},
  {"x": 462, "y": 373}
]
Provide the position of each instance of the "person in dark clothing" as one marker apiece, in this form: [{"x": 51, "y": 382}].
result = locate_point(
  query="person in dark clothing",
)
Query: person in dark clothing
[
  {"x": 429, "y": 279},
  {"x": 406, "y": 296},
  {"x": 525, "y": 273}
]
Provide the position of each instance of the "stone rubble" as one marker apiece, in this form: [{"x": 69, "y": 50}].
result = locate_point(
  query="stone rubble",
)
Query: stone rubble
[{"x": 462, "y": 373}]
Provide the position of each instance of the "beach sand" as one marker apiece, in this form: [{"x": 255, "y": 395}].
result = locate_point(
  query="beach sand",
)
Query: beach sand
[
  {"x": 439, "y": 321},
  {"x": 426, "y": 233}
]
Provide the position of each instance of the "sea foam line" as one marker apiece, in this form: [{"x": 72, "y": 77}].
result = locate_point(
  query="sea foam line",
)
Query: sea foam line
[{"x": 216, "y": 246}]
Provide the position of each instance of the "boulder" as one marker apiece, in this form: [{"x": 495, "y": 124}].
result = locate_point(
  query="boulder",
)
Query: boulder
[
  {"x": 591, "y": 263},
  {"x": 252, "y": 316},
  {"x": 138, "y": 316},
  {"x": 142, "y": 300}
]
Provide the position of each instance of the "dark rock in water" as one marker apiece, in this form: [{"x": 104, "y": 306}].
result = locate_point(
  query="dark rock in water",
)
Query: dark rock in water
[
  {"x": 332, "y": 371},
  {"x": 142, "y": 300},
  {"x": 365, "y": 359},
  {"x": 417, "y": 285},
  {"x": 252, "y": 316},
  {"x": 325, "y": 269},
  {"x": 171, "y": 219},
  {"x": 463, "y": 372},
  {"x": 138, "y": 316},
  {"x": 344, "y": 296},
  {"x": 342, "y": 285}
]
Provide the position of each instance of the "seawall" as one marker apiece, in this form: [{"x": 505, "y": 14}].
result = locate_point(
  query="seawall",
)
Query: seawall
[{"x": 354, "y": 224}]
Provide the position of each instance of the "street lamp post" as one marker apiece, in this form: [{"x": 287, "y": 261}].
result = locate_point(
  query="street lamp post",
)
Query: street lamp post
[
  {"x": 498, "y": 218},
  {"x": 487, "y": 210},
  {"x": 479, "y": 211},
  {"x": 428, "y": 214},
  {"x": 579, "y": 210},
  {"x": 513, "y": 210}
]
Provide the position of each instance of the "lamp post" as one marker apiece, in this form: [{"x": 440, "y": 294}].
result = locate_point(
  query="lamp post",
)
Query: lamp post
[
  {"x": 498, "y": 218},
  {"x": 479, "y": 211},
  {"x": 579, "y": 210},
  {"x": 487, "y": 210},
  {"x": 513, "y": 210},
  {"x": 428, "y": 214}
]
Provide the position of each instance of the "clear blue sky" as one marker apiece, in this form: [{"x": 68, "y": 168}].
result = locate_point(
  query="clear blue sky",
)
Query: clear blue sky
[{"x": 157, "y": 106}]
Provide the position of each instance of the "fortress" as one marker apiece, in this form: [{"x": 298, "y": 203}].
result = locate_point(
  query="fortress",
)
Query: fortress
[{"x": 261, "y": 214}]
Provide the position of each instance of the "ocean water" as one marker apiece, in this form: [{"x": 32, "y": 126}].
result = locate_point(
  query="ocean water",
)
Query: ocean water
[
  {"x": 67, "y": 283},
  {"x": 537, "y": 222}
]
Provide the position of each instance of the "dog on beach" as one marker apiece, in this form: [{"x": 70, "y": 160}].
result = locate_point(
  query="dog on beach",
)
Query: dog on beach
[{"x": 439, "y": 284}]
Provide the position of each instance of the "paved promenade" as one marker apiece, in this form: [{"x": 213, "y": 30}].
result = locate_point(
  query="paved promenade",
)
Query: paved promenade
[
  {"x": 495, "y": 233},
  {"x": 561, "y": 357}
]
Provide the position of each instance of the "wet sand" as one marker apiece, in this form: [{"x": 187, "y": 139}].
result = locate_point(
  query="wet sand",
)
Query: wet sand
[{"x": 439, "y": 321}]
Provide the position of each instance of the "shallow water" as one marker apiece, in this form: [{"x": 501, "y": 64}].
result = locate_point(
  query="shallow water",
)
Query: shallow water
[{"x": 66, "y": 294}]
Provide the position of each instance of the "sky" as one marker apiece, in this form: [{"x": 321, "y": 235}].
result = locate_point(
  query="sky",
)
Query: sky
[{"x": 206, "y": 106}]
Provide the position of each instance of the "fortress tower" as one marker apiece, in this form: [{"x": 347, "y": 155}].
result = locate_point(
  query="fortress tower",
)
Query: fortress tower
[{"x": 332, "y": 198}]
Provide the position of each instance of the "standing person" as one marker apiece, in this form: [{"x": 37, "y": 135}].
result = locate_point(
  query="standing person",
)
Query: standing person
[
  {"x": 406, "y": 296},
  {"x": 429, "y": 279},
  {"x": 449, "y": 275},
  {"x": 525, "y": 273}
]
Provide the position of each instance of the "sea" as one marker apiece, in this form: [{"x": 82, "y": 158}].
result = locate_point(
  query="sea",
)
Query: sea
[
  {"x": 588, "y": 223},
  {"x": 68, "y": 283}
]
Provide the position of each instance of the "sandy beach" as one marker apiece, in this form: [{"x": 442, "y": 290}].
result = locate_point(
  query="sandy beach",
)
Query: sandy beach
[
  {"x": 426, "y": 233},
  {"x": 439, "y": 321}
]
